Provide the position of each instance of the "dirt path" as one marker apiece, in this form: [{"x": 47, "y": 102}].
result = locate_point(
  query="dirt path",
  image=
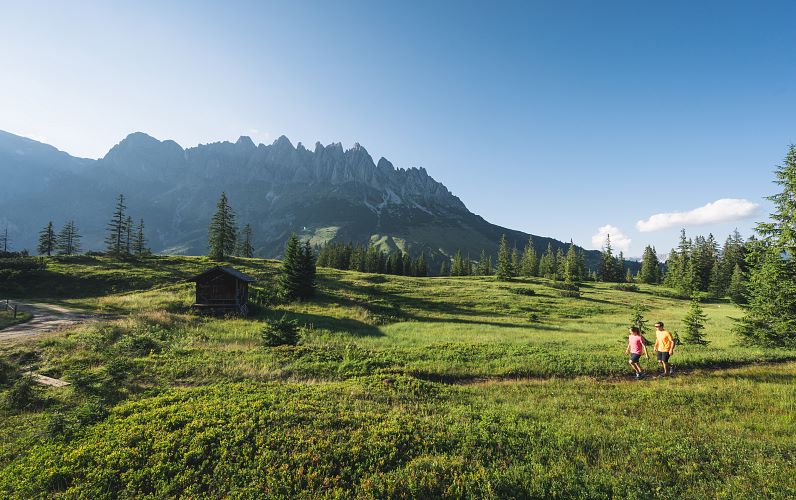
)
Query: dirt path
[{"x": 46, "y": 318}]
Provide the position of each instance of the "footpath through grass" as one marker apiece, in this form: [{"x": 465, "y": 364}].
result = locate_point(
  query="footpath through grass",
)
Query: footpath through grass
[
  {"x": 7, "y": 318},
  {"x": 400, "y": 386}
]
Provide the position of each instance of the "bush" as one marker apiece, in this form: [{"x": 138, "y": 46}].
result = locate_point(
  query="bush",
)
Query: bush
[
  {"x": 626, "y": 287},
  {"x": 564, "y": 286},
  {"x": 569, "y": 293},
  {"x": 280, "y": 332},
  {"x": 23, "y": 394},
  {"x": 524, "y": 291},
  {"x": 7, "y": 372}
]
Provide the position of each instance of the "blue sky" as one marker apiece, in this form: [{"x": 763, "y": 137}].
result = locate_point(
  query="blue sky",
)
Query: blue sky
[{"x": 556, "y": 118}]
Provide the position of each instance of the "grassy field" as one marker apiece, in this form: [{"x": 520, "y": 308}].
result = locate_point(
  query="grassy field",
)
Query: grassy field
[{"x": 399, "y": 387}]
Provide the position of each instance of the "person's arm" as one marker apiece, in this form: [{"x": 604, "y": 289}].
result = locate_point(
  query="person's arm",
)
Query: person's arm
[
  {"x": 627, "y": 349},
  {"x": 646, "y": 355},
  {"x": 671, "y": 344}
]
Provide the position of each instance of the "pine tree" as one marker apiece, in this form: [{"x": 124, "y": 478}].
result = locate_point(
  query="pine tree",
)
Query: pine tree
[
  {"x": 771, "y": 290},
  {"x": 529, "y": 266},
  {"x": 483, "y": 265},
  {"x": 503, "y": 272},
  {"x": 222, "y": 233},
  {"x": 737, "y": 287},
  {"x": 694, "y": 324},
  {"x": 139, "y": 241},
  {"x": 457, "y": 266},
  {"x": 571, "y": 268},
  {"x": 290, "y": 279},
  {"x": 650, "y": 271},
  {"x": 619, "y": 268},
  {"x": 306, "y": 271},
  {"x": 408, "y": 271},
  {"x": 467, "y": 266},
  {"x": 443, "y": 268},
  {"x": 398, "y": 263},
  {"x": 245, "y": 247},
  {"x": 638, "y": 320},
  {"x": 47, "y": 240},
  {"x": 117, "y": 230},
  {"x": 607, "y": 270},
  {"x": 420, "y": 266},
  {"x": 68, "y": 239},
  {"x": 515, "y": 262}
]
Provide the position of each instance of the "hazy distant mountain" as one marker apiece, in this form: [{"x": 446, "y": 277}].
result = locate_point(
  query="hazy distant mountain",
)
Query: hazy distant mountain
[{"x": 322, "y": 194}]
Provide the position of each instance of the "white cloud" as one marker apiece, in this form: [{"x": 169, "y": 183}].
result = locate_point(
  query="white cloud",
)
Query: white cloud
[
  {"x": 724, "y": 210},
  {"x": 619, "y": 240}
]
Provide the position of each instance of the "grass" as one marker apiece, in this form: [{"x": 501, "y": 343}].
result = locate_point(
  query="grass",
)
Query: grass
[
  {"x": 400, "y": 386},
  {"x": 7, "y": 318}
]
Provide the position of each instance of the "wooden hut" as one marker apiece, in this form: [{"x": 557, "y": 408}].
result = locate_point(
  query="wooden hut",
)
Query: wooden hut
[{"x": 222, "y": 290}]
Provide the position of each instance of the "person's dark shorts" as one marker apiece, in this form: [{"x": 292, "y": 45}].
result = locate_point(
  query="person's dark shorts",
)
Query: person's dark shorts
[
  {"x": 634, "y": 357},
  {"x": 663, "y": 356}
]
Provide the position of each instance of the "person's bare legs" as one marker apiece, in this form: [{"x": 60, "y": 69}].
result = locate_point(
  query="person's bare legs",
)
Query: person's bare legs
[
  {"x": 636, "y": 367},
  {"x": 667, "y": 368}
]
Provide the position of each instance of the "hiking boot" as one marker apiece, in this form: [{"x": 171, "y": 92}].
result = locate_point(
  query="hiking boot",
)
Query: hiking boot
[{"x": 640, "y": 375}]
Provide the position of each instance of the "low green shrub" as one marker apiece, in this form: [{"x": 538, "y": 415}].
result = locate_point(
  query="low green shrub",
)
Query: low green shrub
[
  {"x": 626, "y": 287},
  {"x": 280, "y": 332},
  {"x": 530, "y": 292},
  {"x": 23, "y": 394}
]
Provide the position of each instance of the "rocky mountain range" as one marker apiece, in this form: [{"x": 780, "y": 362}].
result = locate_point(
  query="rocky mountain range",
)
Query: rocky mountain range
[{"x": 325, "y": 194}]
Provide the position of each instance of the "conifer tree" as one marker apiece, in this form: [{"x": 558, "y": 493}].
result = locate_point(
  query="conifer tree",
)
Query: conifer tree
[
  {"x": 245, "y": 247},
  {"x": 420, "y": 266},
  {"x": 408, "y": 271},
  {"x": 638, "y": 320},
  {"x": 694, "y": 324},
  {"x": 307, "y": 271},
  {"x": 457, "y": 268},
  {"x": 68, "y": 239},
  {"x": 467, "y": 266},
  {"x": 483, "y": 265},
  {"x": 443, "y": 268},
  {"x": 222, "y": 233},
  {"x": 607, "y": 270},
  {"x": 771, "y": 290},
  {"x": 503, "y": 272},
  {"x": 515, "y": 262},
  {"x": 619, "y": 272},
  {"x": 737, "y": 287},
  {"x": 529, "y": 266},
  {"x": 546, "y": 267},
  {"x": 139, "y": 240},
  {"x": 571, "y": 268},
  {"x": 398, "y": 263},
  {"x": 650, "y": 271},
  {"x": 117, "y": 230},
  {"x": 47, "y": 240},
  {"x": 290, "y": 278}
]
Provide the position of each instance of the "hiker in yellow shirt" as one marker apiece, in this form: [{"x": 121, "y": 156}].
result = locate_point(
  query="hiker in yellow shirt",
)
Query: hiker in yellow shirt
[{"x": 664, "y": 348}]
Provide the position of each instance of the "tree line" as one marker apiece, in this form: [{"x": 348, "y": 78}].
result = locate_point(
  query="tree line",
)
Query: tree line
[{"x": 369, "y": 259}]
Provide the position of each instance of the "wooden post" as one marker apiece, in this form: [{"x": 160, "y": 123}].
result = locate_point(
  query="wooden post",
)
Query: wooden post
[{"x": 15, "y": 311}]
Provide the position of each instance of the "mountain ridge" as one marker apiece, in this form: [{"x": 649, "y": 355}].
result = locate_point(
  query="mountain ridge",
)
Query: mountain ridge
[{"x": 325, "y": 194}]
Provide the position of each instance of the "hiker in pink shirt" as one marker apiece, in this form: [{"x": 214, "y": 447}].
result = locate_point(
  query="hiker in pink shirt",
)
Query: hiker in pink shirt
[{"x": 636, "y": 347}]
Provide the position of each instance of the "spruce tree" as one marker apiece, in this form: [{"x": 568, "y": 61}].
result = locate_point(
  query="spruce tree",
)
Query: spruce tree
[
  {"x": 290, "y": 279},
  {"x": 68, "y": 239},
  {"x": 529, "y": 266},
  {"x": 515, "y": 262},
  {"x": 650, "y": 272},
  {"x": 408, "y": 271},
  {"x": 467, "y": 266},
  {"x": 245, "y": 247},
  {"x": 483, "y": 265},
  {"x": 771, "y": 290},
  {"x": 694, "y": 324},
  {"x": 139, "y": 240},
  {"x": 737, "y": 288},
  {"x": 307, "y": 271},
  {"x": 503, "y": 272},
  {"x": 607, "y": 270},
  {"x": 222, "y": 233},
  {"x": 117, "y": 230},
  {"x": 443, "y": 268},
  {"x": 457, "y": 268},
  {"x": 47, "y": 240},
  {"x": 638, "y": 320},
  {"x": 420, "y": 266}
]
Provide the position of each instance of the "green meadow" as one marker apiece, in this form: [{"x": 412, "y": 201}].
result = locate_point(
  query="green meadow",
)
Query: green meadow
[{"x": 399, "y": 387}]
